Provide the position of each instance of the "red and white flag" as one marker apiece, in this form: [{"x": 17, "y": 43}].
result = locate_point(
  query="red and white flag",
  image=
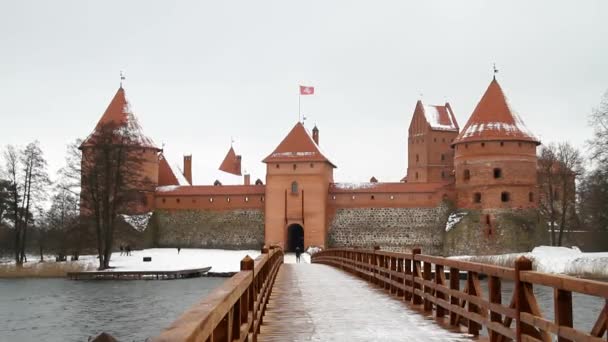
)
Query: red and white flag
[{"x": 304, "y": 90}]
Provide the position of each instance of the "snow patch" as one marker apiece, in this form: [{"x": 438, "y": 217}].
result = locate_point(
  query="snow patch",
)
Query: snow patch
[
  {"x": 433, "y": 116},
  {"x": 166, "y": 188},
  {"x": 353, "y": 186},
  {"x": 138, "y": 222},
  {"x": 293, "y": 154},
  {"x": 453, "y": 220},
  {"x": 179, "y": 175}
]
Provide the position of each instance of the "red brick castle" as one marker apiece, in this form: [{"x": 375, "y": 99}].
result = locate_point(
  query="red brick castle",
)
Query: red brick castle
[{"x": 466, "y": 191}]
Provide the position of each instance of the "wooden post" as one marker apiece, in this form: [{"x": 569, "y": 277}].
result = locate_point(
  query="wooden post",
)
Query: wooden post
[
  {"x": 563, "y": 310},
  {"x": 473, "y": 286},
  {"x": 428, "y": 305},
  {"x": 416, "y": 299},
  {"x": 401, "y": 278},
  {"x": 496, "y": 298},
  {"x": 247, "y": 264},
  {"x": 455, "y": 286},
  {"x": 439, "y": 280},
  {"x": 375, "y": 265},
  {"x": 521, "y": 264}
]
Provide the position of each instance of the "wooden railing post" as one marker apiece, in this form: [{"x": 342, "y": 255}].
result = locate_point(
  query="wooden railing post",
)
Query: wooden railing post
[
  {"x": 428, "y": 305},
  {"x": 563, "y": 310},
  {"x": 454, "y": 286},
  {"x": 416, "y": 299},
  {"x": 375, "y": 265},
  {"x": 521, "y": 264},
  {"x": 494, "y": 289},
  {"x": 439, "y": 280}
]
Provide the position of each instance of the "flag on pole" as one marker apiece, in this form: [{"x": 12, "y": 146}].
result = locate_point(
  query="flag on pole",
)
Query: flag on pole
[{"x": 304, "y": 90}]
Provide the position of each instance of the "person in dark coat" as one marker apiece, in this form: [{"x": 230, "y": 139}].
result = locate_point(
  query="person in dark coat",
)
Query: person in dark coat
[{"x": 298, "y": 254}]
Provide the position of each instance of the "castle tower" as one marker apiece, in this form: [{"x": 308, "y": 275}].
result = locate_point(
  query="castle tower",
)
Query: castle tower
[
  {"x": 430, "y": 135},
  {"x": 495, "y": 157},
  {"x": 297, "y": 184},
  {"x": 119, "y": 126}
]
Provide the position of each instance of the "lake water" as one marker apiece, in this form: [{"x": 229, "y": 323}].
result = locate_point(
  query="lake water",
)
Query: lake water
[{"x": 65, "y": 310}]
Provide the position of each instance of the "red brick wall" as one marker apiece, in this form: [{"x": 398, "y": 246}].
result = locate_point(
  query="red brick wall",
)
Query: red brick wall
[{"x": 517, "y": 164}]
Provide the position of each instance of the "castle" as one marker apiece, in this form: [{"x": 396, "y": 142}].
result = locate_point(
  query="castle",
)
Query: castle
[{"x": 469, "y": 190}]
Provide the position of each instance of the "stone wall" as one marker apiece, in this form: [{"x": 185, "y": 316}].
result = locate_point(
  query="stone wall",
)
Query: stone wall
[
  {"x": 509, "y": 231},
  {"x": 231, "y": 229},
  {"x": 395, "y": 229}
]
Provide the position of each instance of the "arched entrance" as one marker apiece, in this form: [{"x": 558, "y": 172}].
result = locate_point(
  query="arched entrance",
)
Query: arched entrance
[{"x": 295, "y": 237}]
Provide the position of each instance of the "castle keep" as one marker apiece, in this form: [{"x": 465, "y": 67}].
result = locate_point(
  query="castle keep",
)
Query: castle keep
[{"x": 466, "y": 191}]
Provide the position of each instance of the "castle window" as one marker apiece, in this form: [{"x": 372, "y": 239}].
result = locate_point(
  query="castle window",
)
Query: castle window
[
  {"x": 373, "y": 197},
  {"x": 502, "y": 143},
  {"x": 294, "y": 187},
  {"x": 505, "y": 197},
  {"x": 262, "y": 198},
  {"x": 467, "y": 175},
  {"x": 353, "y": 197},
  {"x": 442, "y": 174},
  {"x": 211, "y": 199},
  {"x": 434, "y": 139},
  {"x": 443, "y": 140},
  {"x": 312, "y": 165},
  {"x": 193, "y": 201},
  {"x": 294, "y": 166},
  {"x": 483, "y": 144},
  {"x": 519, "y": 144},
  {"x": 416, "y": 175},
  {"x": 417, "y": 158},
  {"x": 246, "y": 199},
  {"x": 392, "y": 197},
  {"x": 497, "y": 173},
  {"x": 228, "y": 199},
  {"x": 177, "y": 200},
  {"x": 277, "y": 166},
  {"x": 442, "y": 156},
  {"x": 477, "y": 197},
  {"x": 333, "y": 197},
  {"x": 488, "y": 222},
  {"x": 531, "y": 197},
  {"x": 466, "y": 145},
  {"x": 164, "y": 200}
]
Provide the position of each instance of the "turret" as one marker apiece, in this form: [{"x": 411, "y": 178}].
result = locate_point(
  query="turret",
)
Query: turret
[
  {"x": 315, "y": 134},
  {"x": 495, "y": 157}
]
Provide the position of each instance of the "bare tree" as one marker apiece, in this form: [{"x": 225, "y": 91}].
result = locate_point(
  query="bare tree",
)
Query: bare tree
[
  {"x": 28, "y": 179},
  {"x": 62, "y": 220},
  {"x": 558, "y": 167},
  {"x": 111, "y": 180},
  {"x": 599, "y": 143}
]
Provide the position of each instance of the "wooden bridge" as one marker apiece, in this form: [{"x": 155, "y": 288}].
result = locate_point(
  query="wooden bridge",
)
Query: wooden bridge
[{"x": 365, "y": 295}]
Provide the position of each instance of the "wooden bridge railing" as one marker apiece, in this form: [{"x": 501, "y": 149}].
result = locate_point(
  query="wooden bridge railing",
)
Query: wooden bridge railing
[
  {"x": 235, "y": 310},
  {"x": 433, "y": 283}
]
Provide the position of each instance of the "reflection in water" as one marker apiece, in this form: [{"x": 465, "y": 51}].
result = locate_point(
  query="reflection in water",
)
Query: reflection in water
[{"x": 64, "y": 310}]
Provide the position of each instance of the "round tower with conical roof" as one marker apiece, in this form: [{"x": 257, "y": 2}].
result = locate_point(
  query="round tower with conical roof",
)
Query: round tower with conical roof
[
  {"x": 118, "y": 128},
  {"x": 495, "y": 157}
]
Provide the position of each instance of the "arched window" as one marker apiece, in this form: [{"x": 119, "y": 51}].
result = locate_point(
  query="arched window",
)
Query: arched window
[
  {"x": 477, "y": 197},
  {"x": 442, "y": 156},
  {"x": 531, "y": 197},
  {"x": 442, "y": 174},
  {"x": 417, "y": 158},
  {"x": 505, "y": 197},
  {"x": 294, "y": 187},
  {"x": 497, "y": 173},
  {"x": 295, "y": 166},
  {"x": 416, "y": 175},
  {"x": 467, "y": 175}
]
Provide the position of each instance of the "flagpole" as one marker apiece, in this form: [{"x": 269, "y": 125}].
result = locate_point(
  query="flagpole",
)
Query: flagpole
[{"x": 299, "y": 107}]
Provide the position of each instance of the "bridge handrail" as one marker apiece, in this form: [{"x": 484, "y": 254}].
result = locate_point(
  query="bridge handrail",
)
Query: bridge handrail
[
  {"x": 233, "y": 311},
  {"x": 421, "y": 280}
]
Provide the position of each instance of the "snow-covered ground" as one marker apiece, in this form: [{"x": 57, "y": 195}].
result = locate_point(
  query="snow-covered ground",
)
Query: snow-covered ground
[{"x": 557, "y": 260}]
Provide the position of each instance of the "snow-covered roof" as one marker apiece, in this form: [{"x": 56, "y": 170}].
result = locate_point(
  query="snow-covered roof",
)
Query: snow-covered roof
[
  {"x": 440, "y": 118},
  {"x": 298, "y": 145},
  {"x": 495, "y": 119},
  {"x": 119, "y": 116}
]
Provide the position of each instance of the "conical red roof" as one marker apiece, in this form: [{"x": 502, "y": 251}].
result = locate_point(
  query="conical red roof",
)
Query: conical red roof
[
  {"x": 231, "y": 163},
  {"x": 169, "y": 175},
  {"x": 120, "y": 117},
  {"x": 493, "y": 119},
  {"x": 298, "y": 145}
]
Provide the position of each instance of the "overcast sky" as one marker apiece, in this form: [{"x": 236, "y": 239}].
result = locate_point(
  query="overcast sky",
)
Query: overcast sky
[{"x": 201, "y": 72}]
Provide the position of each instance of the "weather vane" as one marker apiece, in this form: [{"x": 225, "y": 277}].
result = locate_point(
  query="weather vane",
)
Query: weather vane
[
  {"x": 231, "y": 141},
  {"x": 495, "y": 70},
  {"x": 122, "y": 77}
]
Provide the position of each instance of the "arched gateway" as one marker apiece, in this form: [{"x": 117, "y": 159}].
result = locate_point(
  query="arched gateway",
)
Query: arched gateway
[{"x": 295, "y": 237}]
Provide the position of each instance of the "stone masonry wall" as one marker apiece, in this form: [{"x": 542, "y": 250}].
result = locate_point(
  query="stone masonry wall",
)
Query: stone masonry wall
[
  {"x": 395, "y": 229},
  {"x": 509, "y": 231},
  {"x": 232, "y": 229}
]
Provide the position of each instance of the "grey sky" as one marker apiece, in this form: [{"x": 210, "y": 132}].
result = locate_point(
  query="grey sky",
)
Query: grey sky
[{"x": 199, "y": 72}]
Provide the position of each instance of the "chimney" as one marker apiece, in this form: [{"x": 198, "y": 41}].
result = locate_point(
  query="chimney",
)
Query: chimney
[
  {"x": 188, "y": 168},
  {"x": 315, "y": 135},
  {"x": 247, "y": 179}
]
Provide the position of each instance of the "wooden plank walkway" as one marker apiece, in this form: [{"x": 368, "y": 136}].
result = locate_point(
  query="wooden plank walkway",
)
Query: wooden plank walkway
[{"x": 314, "y": 302}]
